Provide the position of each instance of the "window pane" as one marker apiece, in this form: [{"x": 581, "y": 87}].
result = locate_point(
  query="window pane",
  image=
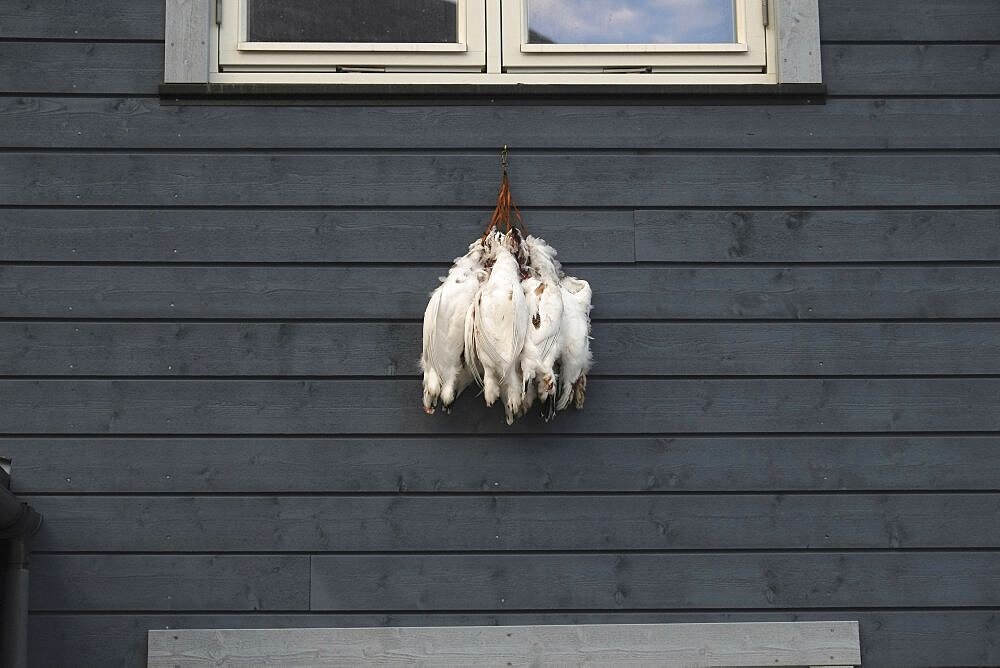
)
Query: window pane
[
  {"x": 432, "y": 21},
  {"x": 631, "y": 21}
]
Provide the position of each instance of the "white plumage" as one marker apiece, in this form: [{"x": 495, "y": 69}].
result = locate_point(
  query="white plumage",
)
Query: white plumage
[
  {"x": 543, "y": 342},
  {"x": 496, "y": 326},
  {"x": 445, "y": 374},
  {"x": 575, "y": 358},
  {"x": 508, "y": 317}
]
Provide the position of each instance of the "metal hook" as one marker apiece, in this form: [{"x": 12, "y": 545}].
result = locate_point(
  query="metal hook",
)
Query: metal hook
[{"x": 504, "y": 157}]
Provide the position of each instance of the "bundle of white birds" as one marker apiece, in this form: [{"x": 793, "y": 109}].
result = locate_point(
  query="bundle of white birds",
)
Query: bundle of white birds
[{"x": 507, "y": 317}]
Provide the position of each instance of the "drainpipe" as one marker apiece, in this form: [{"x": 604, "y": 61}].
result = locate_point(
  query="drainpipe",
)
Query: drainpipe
[{"x": 18, "y": 523}]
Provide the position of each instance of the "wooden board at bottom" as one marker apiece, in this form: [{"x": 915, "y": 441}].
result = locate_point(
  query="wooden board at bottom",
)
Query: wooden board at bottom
[{"x": 721, "y": 644}]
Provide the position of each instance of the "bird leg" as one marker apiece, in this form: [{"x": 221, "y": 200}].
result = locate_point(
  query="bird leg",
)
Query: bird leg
[
  {"x": 513, "y": 393},
  {"x": 529, "y": 399},
  {"x": 430, "y": 399},
  {"x": 580, "y": 391},
  {"x": 491, "y": 387},
  {"x": 546, "y": 385}
]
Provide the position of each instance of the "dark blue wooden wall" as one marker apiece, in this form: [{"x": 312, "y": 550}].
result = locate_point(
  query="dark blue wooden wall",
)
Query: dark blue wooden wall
[{"x": 210, "y": 326}]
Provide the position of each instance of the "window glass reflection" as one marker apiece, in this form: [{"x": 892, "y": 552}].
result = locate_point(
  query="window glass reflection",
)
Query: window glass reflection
[
  {"x": 631, "y": 21},
  {"x": 408, "y": 21}
]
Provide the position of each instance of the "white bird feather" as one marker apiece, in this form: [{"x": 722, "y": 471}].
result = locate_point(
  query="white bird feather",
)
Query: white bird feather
[
  {"x": 499, "y": 322},
  {"x": 445, "y": 375},
  {"x": 543, "y": 295},
  {"x": 490, "y": 243},
  {"x": 575, "y": 358}
]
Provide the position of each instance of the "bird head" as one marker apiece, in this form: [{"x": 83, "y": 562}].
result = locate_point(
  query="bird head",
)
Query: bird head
[
  {"x": 477, "y": 250},
  {"x": 512, "y": 241},
  {"x": 515, "y": 243},
  {"x": 542, "y": 257}
]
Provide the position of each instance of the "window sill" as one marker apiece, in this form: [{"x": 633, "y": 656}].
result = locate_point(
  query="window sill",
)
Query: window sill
[{"x": 447, "y": 94}]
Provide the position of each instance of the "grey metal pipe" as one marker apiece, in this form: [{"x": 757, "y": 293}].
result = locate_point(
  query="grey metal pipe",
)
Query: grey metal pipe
[
  {"x": 17, "y": 518},
  {"x": 10, "y": 509},
  {"x": 18, "y": 522},
  {"x": 14, "y": 627}
]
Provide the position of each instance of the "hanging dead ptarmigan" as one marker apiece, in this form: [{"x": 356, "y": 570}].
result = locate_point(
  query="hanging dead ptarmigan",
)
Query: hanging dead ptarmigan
[
  {"x": 575, "y": 358},
  {"x": 508, "y": 317},
  {"x": 442, "y": 361},
  {"x": 496, "y": 326},
  {"x": 542, "y": 344}
]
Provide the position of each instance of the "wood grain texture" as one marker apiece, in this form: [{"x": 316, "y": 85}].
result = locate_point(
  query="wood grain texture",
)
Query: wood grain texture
[
  {"x": 915, "y": 235},
  {"x": 513, "y": 582},
  {"x": 696, "y": 645},
  {"x": 798, "y": 26},
  {"x": 72, "y": 19},
  {"x": 270, "y": 479},
  {"x": 841, "y": 20},
  {"x": 912, "y": 69},
  {"x": 392, "y": 406},
  {"x": 637, "y": 581},
  {"x": 276, "y": 236},
  {"x": 123, "y": 68},
  {"x": 456, "y": 179},
  {"x": 268, "y": 465},
  {"x": 164, "y": 582},
  {"x": 516, "y": 523},
  {"x": 399, "y": 292},
  {"x": 912, "y": 638},
  {"x": 392, "y": 349},
  {"x": 286, "y": 466},
  {"x": 84, "y": 123},
  {"x": 188, "y": 35},
  {"x": 105, "y": 68},
  {"x": 909, "y": 20}
]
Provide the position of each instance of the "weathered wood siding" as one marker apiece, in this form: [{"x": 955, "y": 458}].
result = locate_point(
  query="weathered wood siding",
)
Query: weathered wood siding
[
  {"x": 826, "y": 643},
  {"x": 209, "y": 329}
]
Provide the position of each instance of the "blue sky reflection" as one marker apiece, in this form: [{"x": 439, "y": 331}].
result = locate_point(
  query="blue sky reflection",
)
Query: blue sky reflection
[{"x": 631, "y": 21}]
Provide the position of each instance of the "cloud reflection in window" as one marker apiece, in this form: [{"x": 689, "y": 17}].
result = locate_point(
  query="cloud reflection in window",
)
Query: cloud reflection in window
[{"x": 631, "y": 21}]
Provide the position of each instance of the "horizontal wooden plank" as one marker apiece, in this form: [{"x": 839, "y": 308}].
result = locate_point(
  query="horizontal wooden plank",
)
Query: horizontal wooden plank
[
  {"x": 163, "y": 582},
  {"x": 660, "y": 581},
  {"x": 914, "y": 235},
  {"x": 515, "y": 523},
  {"x": 514, "y": 582},
  {"x": 909, "y": 20},
  {"x": 81, "y": 67},
  {"x": 888, "y": 638},
  {"x": 504, "y": 464},
  {"x": 841, "y": 20},
  {"x": 373, "y": 349},
  {"x": 210, "y": 235},
  {"x": 571, "y": 179},
  {"x": 68, "y": 19},
  {"x": 123, "y": 68},
  {"x": 912, "y": 69},
  {"x": 394, "y": 292},
  {"x": 83, "y": 123},
  {"x": 392, "y": 407},
  {"x": 695, "y": 645}
]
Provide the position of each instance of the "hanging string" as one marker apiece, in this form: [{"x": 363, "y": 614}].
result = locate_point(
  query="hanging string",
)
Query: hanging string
[{"x": 506, "y": 215}]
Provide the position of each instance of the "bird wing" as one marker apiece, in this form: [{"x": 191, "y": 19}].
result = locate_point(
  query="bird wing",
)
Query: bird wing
[
  {"x": 575, "y": 357},
  {"x": 431, "y": 314},
  {"x": 551, "y": 303},
  {"x": 519, "y": 323},
  {"x": 471, "y": 355},
  {"x": 487, "y": 323}
]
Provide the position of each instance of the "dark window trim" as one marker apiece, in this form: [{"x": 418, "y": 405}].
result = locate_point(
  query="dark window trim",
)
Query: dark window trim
[{"x": 447, "y": 94}]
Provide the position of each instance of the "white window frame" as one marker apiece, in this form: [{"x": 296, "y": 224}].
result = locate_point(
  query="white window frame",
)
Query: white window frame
[
  {"x": 791, "y": 54},
  {"x": 237, "y": 53},
  {"x": 747, "y": 53}
]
